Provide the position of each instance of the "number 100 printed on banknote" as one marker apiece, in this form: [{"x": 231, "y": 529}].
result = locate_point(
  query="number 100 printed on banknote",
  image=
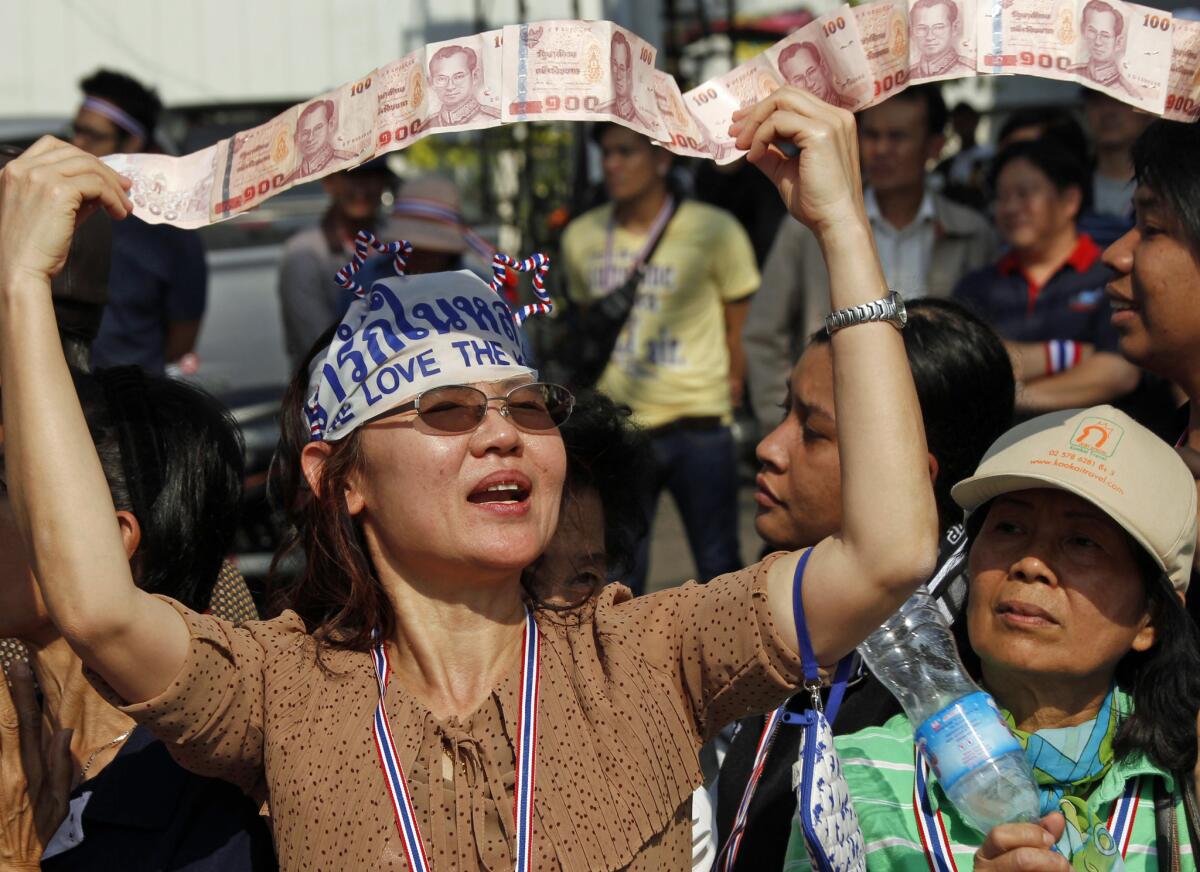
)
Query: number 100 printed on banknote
[
  {"x": 597, "y": 71},
  {"x": 333, "y": 132},
  {"x": 1122, "y": 49},
  {"x": 576, "y": 70}
]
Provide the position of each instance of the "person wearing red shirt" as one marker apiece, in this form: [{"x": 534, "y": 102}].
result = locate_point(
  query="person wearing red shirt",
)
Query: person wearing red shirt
[{"x": 1045, "y": 296}]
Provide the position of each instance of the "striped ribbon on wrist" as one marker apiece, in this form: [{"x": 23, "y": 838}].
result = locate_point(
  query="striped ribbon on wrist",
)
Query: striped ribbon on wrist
[{"x": 1061, "y": 355}]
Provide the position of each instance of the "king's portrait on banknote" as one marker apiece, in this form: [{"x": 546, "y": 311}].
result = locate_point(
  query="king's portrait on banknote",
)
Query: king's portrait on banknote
[
  {"x": 620, "y": 64},
  {"x": 315, "y": 133},
  {"x": 457, "y": 80},
  {"x": 935, "y": 32},
  {"x": 802, "y": 64},
  {"x": 1102, "y": 29}
]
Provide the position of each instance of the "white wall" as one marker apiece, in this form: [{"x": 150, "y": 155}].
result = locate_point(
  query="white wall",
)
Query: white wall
[{"x": 213, "y": 50}]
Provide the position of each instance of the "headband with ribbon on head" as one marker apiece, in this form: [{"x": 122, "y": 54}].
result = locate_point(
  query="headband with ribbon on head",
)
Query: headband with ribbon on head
[
  {"x": 407, "y": 334},
  {"x": 116, "y": 115}
]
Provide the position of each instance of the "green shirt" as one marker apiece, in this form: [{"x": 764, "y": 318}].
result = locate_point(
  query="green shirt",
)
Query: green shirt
[{"x": 879, "y": 766}]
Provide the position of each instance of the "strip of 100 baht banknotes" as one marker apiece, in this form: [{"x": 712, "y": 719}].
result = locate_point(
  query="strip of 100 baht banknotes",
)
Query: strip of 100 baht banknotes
[{"x": 852, "y": 57}]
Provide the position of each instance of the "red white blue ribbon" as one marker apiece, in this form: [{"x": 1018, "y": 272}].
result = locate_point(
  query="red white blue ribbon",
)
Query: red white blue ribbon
[
  {"x": 539, "y": 265},
  {"x": 930, "y": 825},
  {"x": 734, "y": 842},
  {"x": 526, "y": 754},
  {"x": 1124, "y": 810},
  {"x": 1061, "y": 355},
  {"x": 364, "y": 243},
  {"x": 937, "y": 844}
]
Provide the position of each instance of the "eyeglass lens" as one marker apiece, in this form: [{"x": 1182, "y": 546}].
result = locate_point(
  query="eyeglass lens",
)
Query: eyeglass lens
[{"x": 458, "y": 408}]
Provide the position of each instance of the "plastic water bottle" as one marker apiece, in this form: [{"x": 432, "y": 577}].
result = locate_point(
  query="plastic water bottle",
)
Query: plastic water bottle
[{"x": 978, "y": 761}]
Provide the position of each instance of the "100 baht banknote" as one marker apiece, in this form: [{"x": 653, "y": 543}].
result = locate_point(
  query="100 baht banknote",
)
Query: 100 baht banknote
[
  {"x": 1183, "y": 86},
  {"x": 712, "y": 104},
  {"x": 598, "y": 71},
  {"x": 826, "y": 58},
  {"x": 883, "y": 34},
  {"x": 580, "y": 70},
  {"x": 169, "y": 190},
  {"x": 332, "y": 132},
  {"x": 1122, "y": 49}
]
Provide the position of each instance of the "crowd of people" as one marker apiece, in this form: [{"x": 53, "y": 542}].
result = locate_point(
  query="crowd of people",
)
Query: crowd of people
[{"x": 976, "y": 378}]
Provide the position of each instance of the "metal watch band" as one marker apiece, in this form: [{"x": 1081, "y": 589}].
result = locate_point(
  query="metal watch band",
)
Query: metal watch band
[{"x": 885, "y": 309}]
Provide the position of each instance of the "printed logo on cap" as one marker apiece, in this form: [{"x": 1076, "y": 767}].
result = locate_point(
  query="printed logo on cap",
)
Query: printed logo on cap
[{"x": 1097, "y": 436}]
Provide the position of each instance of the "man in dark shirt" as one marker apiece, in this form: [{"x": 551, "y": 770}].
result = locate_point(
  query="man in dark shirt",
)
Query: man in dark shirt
[{"x": 158, "y": 283}]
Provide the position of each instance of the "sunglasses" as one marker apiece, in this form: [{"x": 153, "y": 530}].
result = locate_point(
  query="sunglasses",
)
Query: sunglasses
[{"x": 536, "y": 407}]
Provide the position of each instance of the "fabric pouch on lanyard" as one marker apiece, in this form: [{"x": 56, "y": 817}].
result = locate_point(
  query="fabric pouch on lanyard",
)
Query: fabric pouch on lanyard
[{"x": 823, "y": 810}]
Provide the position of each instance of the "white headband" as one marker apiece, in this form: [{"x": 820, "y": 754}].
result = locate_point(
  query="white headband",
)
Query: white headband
[
  {"x": 116, "y": 115},
  {"x": 408, "y": 334}
]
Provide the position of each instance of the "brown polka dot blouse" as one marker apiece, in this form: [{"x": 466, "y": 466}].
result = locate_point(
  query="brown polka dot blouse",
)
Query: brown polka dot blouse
[{"x": 631, "y": 688}]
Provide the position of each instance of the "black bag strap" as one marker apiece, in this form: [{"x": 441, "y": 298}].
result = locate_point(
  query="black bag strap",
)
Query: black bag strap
[
  {"x": 1166, "y": 825},
  {"x": 593, "y": 330},
  {"x": 1191, "y": 808},
  {"x": 619, "y": 303}
]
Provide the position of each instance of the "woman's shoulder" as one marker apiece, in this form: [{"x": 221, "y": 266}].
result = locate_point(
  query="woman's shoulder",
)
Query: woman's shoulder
[
  {"x": 614, "y": 610},
  {"x": 275, "y": 636}
]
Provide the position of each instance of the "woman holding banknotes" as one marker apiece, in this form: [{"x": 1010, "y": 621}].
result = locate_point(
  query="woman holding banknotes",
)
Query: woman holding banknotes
[{"x": 417, "y": 709}]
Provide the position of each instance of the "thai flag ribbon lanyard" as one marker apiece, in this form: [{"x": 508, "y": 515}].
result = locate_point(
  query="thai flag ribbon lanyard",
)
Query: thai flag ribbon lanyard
[
  {"x": 728, "y": 857},
  {"x": 937, "y": 844},
  {"x": 389, "y": 761}
]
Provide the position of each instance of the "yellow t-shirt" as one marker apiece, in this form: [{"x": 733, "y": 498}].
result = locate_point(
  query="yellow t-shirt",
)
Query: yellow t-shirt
[{"x": 671, "y": 360}]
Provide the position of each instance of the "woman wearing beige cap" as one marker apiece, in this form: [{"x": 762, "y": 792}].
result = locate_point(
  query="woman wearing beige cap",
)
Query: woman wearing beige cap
[
  {"x": 1083, "y": 526},
  {"x": 417, "y": 708}
]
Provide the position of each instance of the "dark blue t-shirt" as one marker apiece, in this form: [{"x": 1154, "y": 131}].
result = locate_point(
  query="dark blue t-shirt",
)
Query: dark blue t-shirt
[
  {"x": 1071, "y": 305},
  {"x": 158, "y": 275},
  {"x": 146, "y": 812}
]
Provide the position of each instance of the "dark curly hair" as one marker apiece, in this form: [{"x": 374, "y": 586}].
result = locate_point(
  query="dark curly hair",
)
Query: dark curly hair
[
  {"x": 142, "y": 103},
  {"x": 606, "y": 451}
]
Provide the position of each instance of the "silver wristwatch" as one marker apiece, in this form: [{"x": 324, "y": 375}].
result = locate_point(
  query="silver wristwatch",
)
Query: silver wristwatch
[{"x": 890, "y": 309}]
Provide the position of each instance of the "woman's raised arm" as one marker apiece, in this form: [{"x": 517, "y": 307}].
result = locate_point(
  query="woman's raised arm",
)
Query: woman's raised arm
[
  {"x": 888, "y": 542},
  {"x": 59, "y": 496}
]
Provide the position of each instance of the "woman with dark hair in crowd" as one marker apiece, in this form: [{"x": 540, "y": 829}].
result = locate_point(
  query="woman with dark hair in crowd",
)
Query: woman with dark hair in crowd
[
  {"x": 964, "y": 383},
  {"x": 407, "y": 704},
  {"x": 1157, "y": 285},
  {"x": 601, "y": 520},
  {"x": 1083, "y": 527},
  {"x": 1046, "y": 295},
  {"x": 172, "y": 462}
]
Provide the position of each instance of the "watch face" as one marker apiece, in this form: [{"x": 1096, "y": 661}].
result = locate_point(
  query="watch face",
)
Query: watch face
[{"x": 901, "y": 312}]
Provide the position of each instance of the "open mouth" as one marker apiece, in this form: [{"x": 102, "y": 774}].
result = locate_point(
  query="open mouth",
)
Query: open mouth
[
  {"x": 501, "y": 492},
  {"x": 508, "y": 489}
]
